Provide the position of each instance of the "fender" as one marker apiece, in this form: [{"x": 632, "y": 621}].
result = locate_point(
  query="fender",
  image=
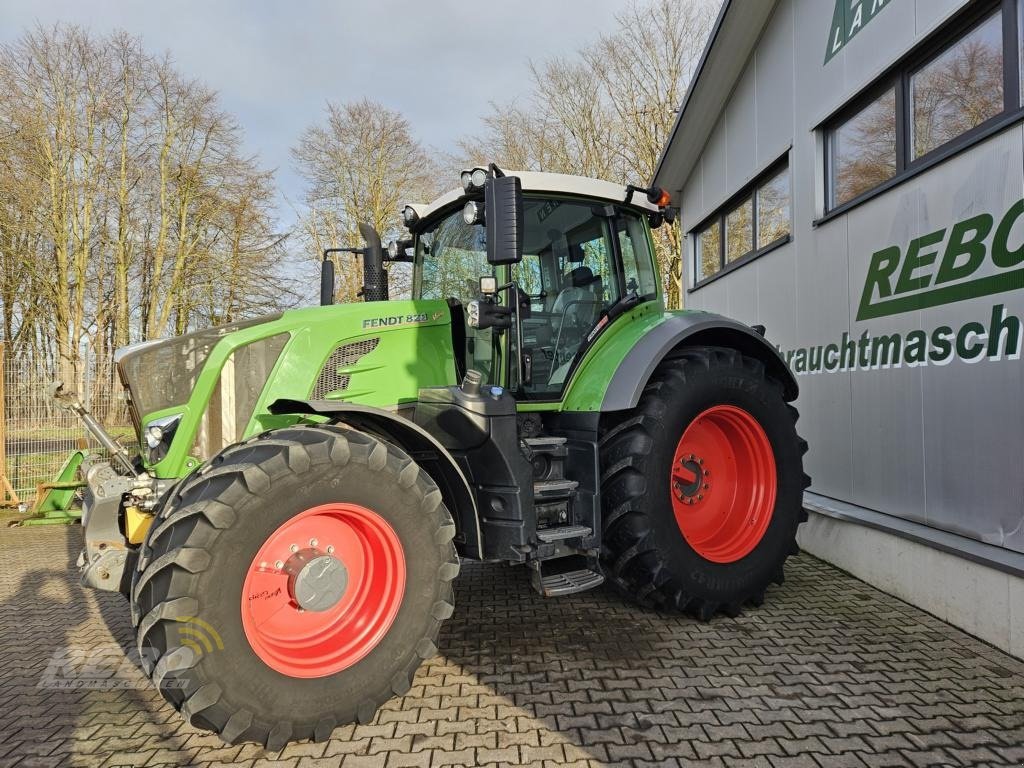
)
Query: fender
[
  {"x": 687, "y": 330},
  {"x": 418, "y": 443}
]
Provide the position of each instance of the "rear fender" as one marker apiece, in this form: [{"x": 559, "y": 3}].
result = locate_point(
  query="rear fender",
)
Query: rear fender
[
  {"x": 418, "y": 443},
  {"x": 690, "y": 330}
]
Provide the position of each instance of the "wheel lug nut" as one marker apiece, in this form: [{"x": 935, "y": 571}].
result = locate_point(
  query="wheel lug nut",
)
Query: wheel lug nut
[
  {"x": 330, "y": 549},
  {"x": 294, "y": 547},
  {"x": 279, "y": 564},
  {"x": 312, "y": 542},
  {"x": 700, "y": 496}
]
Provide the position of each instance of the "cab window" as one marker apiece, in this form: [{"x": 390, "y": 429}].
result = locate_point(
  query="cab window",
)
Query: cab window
[{"x": 567, "y": 278}]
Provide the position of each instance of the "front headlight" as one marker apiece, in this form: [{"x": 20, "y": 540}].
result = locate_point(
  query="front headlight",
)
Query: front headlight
[
  {"x": 158, "y": 434},
  {"x": 472, "y": 212},
  {"x": 473, "y": 310}
]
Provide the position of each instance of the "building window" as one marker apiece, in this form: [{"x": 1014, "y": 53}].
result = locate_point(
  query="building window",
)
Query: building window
[
  {"x": 739, "y": 231},
  {"x": 754, "y": 220},
  {"x": 709, "y": 250},
  {"x": 946, "y": 94},
  {"x": 959, "y": 89},
  {"x": 773, "y": 209},
  {"x": 862, "y": 149}
]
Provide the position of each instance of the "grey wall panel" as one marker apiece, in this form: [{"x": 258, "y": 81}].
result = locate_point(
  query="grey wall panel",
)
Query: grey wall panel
[
  {"x": 709, "y": 296},
  {"x": 817, "y": 89},
  {"x": 822, "y": 298},
  {"x": 741, "y": 296},
  {"x": 742, "y": 129},
  {"x": 776, "y": 280},
  {"x": 714, "y": 168},
  {"x": 929, "y": 13},
  {"x": 867, "y": 54},
  {"x": 888, "y": 465},
  {"x": 689, "y": 209},
  {"x": 773, "y": 74},
  {"x": 974, "y": 412}
]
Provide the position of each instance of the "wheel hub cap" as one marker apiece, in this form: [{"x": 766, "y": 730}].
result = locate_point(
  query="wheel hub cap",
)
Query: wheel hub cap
[
  {"x": 316, "y": 581},
  {"x": 723, "y": 483},
  {"x": 323, "y": 590}
]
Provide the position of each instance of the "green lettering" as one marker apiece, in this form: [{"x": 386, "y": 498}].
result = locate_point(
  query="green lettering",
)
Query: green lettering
[
  {"x": 864, "y": 347},
  {"x": 831, "y": 357},
  {"x": 1002, "y": 323},
  {"x": 942, "y": 348},
  {"x": 915, "y": 350},
  {"x": 973, "y": 352},
  {"x": 885, "y": 350},
  {"x": 1002, "y": 256},
  {"x": 800, "y": 361},
  {"x": 918, "y": 257},
  {"x": 814, "y": 366},
  {"x": 880, "y": 271},
  {"x": 960, "y": 244}
]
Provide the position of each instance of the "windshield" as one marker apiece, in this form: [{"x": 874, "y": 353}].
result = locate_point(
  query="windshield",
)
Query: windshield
[{"x": 451, "y": 257}]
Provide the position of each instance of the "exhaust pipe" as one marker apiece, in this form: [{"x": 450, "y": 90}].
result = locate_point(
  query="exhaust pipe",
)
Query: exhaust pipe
[{"x": 375, "y": 278}]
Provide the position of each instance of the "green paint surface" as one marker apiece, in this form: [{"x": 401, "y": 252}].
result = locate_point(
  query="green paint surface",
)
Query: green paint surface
[{"x": 414, "y": 350}]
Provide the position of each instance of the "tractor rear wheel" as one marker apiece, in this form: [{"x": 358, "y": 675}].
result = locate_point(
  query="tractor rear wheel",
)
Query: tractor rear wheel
[
  {"x": 702, "y": 485},
  {"x": 294, "y": 584}
]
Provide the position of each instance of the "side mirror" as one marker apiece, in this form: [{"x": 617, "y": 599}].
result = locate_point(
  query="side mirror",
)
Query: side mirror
[
  {"x": 326, "y": 280},
  {"x": 503, "y": 213}
]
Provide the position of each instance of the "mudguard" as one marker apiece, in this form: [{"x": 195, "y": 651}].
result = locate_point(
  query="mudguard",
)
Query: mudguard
[
  {"x": 415, "y": 441},
  {"x": 690, "y": 329}
]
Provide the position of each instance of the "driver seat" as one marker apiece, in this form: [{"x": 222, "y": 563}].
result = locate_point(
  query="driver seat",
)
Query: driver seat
[{"x": 580, "y": 289}]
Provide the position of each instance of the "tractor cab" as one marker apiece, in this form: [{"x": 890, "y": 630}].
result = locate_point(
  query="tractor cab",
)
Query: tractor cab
[{"x": 585, "y": 255}]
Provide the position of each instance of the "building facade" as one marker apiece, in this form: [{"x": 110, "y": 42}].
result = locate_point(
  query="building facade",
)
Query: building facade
[{"x": 850, "y": 174}]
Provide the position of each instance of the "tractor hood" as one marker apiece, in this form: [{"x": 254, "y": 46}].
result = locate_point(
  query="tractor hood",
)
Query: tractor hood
[{"x": 192, "y": 395}]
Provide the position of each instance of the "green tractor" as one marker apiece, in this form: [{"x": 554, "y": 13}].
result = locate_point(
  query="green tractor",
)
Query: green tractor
[{"x": 288, "y": 533}]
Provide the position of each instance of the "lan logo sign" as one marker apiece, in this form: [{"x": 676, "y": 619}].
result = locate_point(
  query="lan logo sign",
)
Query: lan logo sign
[{"x": 849, "y": 18}]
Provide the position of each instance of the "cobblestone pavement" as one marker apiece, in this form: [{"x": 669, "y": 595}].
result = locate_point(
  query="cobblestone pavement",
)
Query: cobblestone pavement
[{"x": 829, "y": 672}]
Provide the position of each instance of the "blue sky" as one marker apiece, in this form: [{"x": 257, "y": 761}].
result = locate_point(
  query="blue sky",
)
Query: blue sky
[{"x": 275, "y": 64}]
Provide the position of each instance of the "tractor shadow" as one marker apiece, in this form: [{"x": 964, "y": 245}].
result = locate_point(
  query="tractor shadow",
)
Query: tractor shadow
[{"x": 74, "y": 689}]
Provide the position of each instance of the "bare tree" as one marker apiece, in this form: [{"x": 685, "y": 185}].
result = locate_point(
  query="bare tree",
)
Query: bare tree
[
  {"x": 360, "y": 165},
  {"x": 608, "y": 111},
  {"x": 127, "y": 209}
]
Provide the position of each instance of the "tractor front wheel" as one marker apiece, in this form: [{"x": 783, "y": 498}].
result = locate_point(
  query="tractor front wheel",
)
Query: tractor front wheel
[
  {"x": 294, "y": 584},
  {"x": 702, "y": 485}
]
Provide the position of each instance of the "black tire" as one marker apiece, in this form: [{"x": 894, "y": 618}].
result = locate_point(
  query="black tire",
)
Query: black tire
[
  {"x": 194, "y": 561},
  {"x": 644, "y": 553}
]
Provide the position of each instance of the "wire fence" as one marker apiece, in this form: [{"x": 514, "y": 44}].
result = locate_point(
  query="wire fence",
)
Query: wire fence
[{"x": 36, "y": 436}]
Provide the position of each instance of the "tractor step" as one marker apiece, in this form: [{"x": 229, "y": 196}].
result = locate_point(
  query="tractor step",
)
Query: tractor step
[
  {"x": 567, "y": 581},
  {"x": 550, "y": 445},
  {"x": 548, "y": 490},
  {"x": 563, "y": 532}
]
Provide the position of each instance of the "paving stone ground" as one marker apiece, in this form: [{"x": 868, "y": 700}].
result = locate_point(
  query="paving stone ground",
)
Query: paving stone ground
[{"x": 829, "y": 672}]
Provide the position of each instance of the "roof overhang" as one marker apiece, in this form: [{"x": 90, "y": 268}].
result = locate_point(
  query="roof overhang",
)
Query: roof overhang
[{"x": 732, "y": 40}]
